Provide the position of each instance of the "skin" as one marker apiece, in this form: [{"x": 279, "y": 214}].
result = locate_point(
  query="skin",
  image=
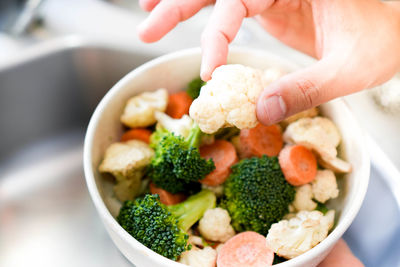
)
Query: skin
[
  {"x": 355, "y": 41},
  {"x": 341, "y": 256}
]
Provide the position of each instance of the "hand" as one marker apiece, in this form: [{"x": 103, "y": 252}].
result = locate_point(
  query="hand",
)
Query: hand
[
  {"x": 356, "y": 42},
  {"x": 341, "y": 256}
]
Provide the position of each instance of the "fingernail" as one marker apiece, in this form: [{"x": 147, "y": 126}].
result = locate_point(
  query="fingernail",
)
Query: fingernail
[{"x": 275, "y": 108}]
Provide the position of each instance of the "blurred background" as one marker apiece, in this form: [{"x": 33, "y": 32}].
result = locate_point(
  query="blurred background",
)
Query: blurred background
[{"x": 57, "y": 59}]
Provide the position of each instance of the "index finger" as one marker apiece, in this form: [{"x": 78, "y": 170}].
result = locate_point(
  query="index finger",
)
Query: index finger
[
  {"x": 166, "y": 15},
  {"x": 221, "y": 29}
]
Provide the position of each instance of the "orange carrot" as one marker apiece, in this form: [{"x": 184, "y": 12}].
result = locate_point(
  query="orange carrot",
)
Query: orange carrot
[
  {"x": 245, "y": 249},
  {"x": 224, "y": 155},
  {"x": 261, "y": 140},
  {"x": 137, "y": 133},
  {"x": 178, "y": 104},
  {"x": 166, "y": 197},
  {"x": 298, "y": 164}
]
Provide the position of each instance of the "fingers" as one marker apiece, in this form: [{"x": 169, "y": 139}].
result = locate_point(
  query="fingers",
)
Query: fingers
[
  {"x": 221, "y": 29},
  {"x": 166, "y": 15},
  {"x": 148, "y": 5},
  {"x": 304, "y": 89},
  {"x": 341, "y": 255}
]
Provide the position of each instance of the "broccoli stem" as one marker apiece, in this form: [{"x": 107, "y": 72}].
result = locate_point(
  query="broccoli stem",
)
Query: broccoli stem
[
  {"x": 191, "y": 210},
  {"x": 194, "y": 136}
]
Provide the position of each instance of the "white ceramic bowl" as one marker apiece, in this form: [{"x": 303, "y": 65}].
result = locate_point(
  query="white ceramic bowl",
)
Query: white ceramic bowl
[{"x": 174, "y": 71}]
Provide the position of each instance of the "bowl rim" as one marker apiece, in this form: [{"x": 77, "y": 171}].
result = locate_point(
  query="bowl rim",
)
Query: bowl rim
[{"x": 109, "y": 220}]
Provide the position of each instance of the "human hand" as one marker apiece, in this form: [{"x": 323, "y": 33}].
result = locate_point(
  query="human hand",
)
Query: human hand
[
  {"x": 356, "y": 42},
  {"x": 341, "y": 256}
]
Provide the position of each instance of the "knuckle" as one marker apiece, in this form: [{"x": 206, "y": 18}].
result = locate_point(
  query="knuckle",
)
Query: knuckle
[{"x": 309, "y": 92}]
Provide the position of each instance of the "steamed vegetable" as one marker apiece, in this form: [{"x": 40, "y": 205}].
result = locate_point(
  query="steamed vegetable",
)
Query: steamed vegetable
[
  {"x": 193, "y": 89},
  {"x": 177, "y": 165},
  {"x": 228, "y": 99},
  {"x": 162, "y": 228},
  {"x": 257, "y": 195}
]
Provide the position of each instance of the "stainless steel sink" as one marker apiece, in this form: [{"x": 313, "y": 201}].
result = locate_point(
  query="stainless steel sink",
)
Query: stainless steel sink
[
  {"x": 46, "y": 215},
  {"x": 46, "y": 100}
]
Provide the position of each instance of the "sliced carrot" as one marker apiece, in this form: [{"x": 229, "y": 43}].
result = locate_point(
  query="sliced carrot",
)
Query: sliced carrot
[
  {"x": 224, "y": 155},
  {"x": 245, "y": 249},
  {"x": 137, "y": 133},
  {"x": 298, "y": 164},
  {"x": 178, "y": 104},
  {"x": 166, "y": 197},
  {"x": 261, "y": 140}
]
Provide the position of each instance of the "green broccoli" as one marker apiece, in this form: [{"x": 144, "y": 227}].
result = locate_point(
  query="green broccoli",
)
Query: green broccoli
[
  {"x": 177, "y": 165},
  {"x": 162, "y": 228},
  {"x": 256, "y": 194},
  {"x": 194, "y": 87},
  {"x": 321, "y": 207}
]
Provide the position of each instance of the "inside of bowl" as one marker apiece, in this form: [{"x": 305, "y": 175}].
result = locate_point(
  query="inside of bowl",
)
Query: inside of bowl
[{"x": 174, "y": 73}]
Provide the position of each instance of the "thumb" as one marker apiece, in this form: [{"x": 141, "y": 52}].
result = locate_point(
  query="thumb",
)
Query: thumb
[{"x": 302, "y": 90}]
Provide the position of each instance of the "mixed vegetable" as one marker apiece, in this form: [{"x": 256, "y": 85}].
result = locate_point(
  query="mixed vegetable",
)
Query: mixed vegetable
[{"x": 217, "y": 188}]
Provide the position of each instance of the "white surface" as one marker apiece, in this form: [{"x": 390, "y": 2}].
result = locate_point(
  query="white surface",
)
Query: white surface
[
  {"x": 173, "y": 72},
  {"x": 383, "y": 127}
]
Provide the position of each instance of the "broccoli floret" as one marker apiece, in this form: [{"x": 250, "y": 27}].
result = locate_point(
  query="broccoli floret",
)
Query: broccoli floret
[
  {"x": 177, "y": 165},
  {"x": 194, "y": 87},
  {"x": 162, "y": 228},
  {"x": 256, "y": 194}
]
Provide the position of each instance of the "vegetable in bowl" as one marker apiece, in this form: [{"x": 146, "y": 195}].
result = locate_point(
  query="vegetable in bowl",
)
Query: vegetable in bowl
[{"x": 258, "y": 191}]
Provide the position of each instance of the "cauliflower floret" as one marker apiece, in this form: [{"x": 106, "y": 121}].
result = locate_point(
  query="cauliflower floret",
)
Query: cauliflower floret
[
  {"x": 324, "y": 186},
  {"x": 271, "y": 74},
  {"x": 228, "y": 99},
  {"x": 206, "y": 257},
  {"x": 309, "y": 113},
  {"x": 335, "y": 164},
  {"x": 318, "y": 134},
  {"x": 196, "y": 240},
  {"x": 126, "y": 162},
  {"x": 139, "y": 110},
  {"x": 291, "y": 238},
  {"x": 215, "y": 225},
  {"x": 180, "y": 126},
  {"x": 303, "y": 198}
]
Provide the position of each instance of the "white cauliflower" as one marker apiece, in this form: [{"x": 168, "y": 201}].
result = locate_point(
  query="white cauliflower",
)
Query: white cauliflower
[
  {"x": 270, "y": 75},
  {"x": 215, "y": 225},
  {"x": 180, "y": 126},
  {"x": 303, "y": 198},
  {"x": 139, "y": 110},
  {"x": 324, "y": 186},
  {"x": 291, "y": 238},
  {"x": 309, "y": 113},
  {"x": 228, "y": 99},
  {"x": 206, "y": 257},
  {"x": 336, "y": 164},
  {"x": 126, "y": 161},
  {"x": 196, "y": 240},
  {"x": 318, "y": 134}
]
